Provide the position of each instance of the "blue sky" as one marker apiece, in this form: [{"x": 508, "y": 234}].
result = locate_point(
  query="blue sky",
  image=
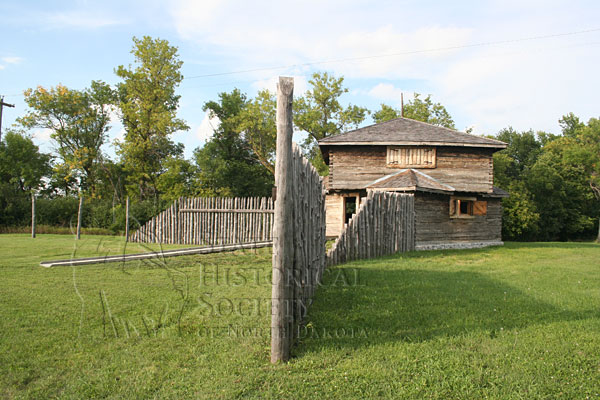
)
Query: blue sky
[{"x": 520, "y": 83}]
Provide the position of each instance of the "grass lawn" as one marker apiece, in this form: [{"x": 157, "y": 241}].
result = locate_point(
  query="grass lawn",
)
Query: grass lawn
[{"x": 520, "y": 321}]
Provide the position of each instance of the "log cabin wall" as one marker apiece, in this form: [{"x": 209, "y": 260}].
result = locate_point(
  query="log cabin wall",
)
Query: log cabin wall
[
  {"x": 434, "y": 225},
  {"x": 467, "y": 169}
]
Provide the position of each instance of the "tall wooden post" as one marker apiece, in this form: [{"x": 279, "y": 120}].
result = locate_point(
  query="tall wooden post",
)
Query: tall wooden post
[
  {"x": 79, "y": 217},
  {"x": 33, "y": 215},
  {"x": 281, "y": 332},
  {"x": 127, "y": 219}
]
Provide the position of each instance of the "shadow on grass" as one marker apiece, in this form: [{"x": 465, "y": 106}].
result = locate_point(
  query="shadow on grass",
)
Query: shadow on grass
[{"x": 415, "y": 305}]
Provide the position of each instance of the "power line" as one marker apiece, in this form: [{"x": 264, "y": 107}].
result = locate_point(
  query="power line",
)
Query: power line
[
  {"x": 229, "y": 83},
  {"x": 410, "y": 52}
]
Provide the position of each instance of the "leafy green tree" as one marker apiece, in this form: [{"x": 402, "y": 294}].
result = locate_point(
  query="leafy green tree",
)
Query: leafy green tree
[
  {"x": 523, "y": 148},
  {"x": 320, "y": 114},
  {"x": 560, "y": 192},
  {"x": 227, "y": 164},
  {"x": 148, "y": 105},
  {"x": 22, "y": 171},
  {"x": 520, "y": 219},
  {"x": 112, "y": 178},
  {"x": 257, "y": 122},
  {"x": 581, "y": 147},
  {"x": 424, "y": 110},
  {"x": 386, "y": 113},
  {"x": 79, "y": 121},
  {"x": 178, "y": 179},
  {"x": 22, "y": 165}
]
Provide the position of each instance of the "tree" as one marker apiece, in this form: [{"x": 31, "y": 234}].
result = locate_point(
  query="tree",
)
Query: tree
[
  {"x": 78, "y": 120},
  {"x": 22, "y": 165},
  {"x": 520, "y": 218},
  {"x": 22, "y": 171},
  {"x": 386, "y": 113},
  {"x": 581, "y": 147},
  {"x": 320, "y": 114},
  {"x": 561, "y": 194},
  {"x": 418, "y": 109},
  {"x": 257, "y": 121},
  {"x": 178, "y": 179},
  {"x": 227, "y": 164},
  {"x": 148, "y": 106},
  {"x": 522, "y": 152}
]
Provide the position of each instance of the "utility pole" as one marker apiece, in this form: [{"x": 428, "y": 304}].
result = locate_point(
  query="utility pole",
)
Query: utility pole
[
  {"x": 2, "y": 104},
  {"x": 402, "y": 104}
]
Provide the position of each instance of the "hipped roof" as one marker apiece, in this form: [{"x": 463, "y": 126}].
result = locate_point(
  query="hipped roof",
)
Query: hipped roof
[
  {"x": 408, "y": 132},
  {"x": 410, "y": 180}
]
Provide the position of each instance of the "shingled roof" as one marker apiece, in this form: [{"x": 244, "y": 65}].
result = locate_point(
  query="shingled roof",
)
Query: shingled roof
[
  {"x": 408, "y": 132},
  {"x": 409, "y": 180}
]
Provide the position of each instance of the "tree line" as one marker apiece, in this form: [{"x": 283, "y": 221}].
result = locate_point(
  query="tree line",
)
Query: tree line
[{"x": 553, "y": 179}]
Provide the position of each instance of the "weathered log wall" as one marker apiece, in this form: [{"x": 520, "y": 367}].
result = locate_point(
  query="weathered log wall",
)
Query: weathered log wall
[
  {"x": 434, "y": 225},
  {"x": 210, "y": 221},
  {"x": 465, "y": 169},
  {"x": 384, "y": 224},
  {"x": 308, "y": 222}
]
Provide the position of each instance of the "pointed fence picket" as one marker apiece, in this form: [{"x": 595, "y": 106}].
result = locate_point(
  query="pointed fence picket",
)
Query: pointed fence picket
[
  {"x": 210, "y": 221},
  {"x": 384, "y": 224}
]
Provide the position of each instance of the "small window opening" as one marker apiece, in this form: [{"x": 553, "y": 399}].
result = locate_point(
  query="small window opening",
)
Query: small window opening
[
  {"x": 461, "y": 208},
  {"x": 349, "y": 208}
]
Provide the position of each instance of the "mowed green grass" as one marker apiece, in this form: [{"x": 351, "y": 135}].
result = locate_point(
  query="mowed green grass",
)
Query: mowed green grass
[{"x": 519, "y": 321}]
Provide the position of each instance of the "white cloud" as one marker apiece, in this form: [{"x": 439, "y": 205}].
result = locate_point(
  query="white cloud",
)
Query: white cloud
[
  {"x": 207, "y": 127},
  {"x": 524, "y": 83},
  {"x": 43, "y": 135},
  {"x": 12, "y": 60},
  {"x": 2, "y": 67},
  {"x": 257, "y": 36}
]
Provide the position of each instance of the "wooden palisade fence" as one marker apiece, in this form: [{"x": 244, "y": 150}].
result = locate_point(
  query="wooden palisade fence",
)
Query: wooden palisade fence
[
  {"x": 384, "y": 224},
  {"x": 299, "y": 226},
  {"x": 210, "y": 221}
]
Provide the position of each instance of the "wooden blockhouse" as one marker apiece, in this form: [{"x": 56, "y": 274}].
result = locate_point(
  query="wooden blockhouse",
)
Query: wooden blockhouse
[{"x": 450, "y": 174}]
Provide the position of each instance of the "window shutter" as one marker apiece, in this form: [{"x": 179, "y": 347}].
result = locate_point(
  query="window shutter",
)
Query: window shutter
[{"x": 480, "y": 208}]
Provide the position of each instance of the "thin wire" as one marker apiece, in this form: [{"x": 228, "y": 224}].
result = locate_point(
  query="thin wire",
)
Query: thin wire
[
  {"x": 229, "y": 83},
  {"x": 481, "y": 44}
]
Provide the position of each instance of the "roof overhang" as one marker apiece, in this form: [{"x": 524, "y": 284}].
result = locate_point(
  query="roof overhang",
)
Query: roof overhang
[{"x": 392, "y": 143}]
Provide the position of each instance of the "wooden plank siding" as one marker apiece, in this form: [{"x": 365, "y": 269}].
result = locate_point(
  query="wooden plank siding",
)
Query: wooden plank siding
[
  {"x": 465, "y": 169},
  {"x": 334, "y": 205},
  {"x": 434, "y": 225}
]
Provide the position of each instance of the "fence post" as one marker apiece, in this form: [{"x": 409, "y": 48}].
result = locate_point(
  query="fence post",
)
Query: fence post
[
  {"x": 79, "y": 217},
  {"x": 32, "y": 215},
  {"x": 127, "y": 219},
  {"x": 281, "y": 330}
]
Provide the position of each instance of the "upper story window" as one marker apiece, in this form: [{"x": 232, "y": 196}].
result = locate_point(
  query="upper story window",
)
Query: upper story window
[{"x": 411, "y": 157}]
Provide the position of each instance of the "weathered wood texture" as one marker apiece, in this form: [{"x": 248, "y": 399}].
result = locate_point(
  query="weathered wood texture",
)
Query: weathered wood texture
[
  {"x": 334, "y": 204},
  {"x": 79, "y": 211},
  {"x": 210, "y": 221},
  {"x": 465, "y": 169},
  {"x": 304, "y": 274},
  {"x": 384, "y": 224},
  {"x": 434, "y": 225},
  {"x": 33, "y": 215},
  {"x": 283, "y": 248}
]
